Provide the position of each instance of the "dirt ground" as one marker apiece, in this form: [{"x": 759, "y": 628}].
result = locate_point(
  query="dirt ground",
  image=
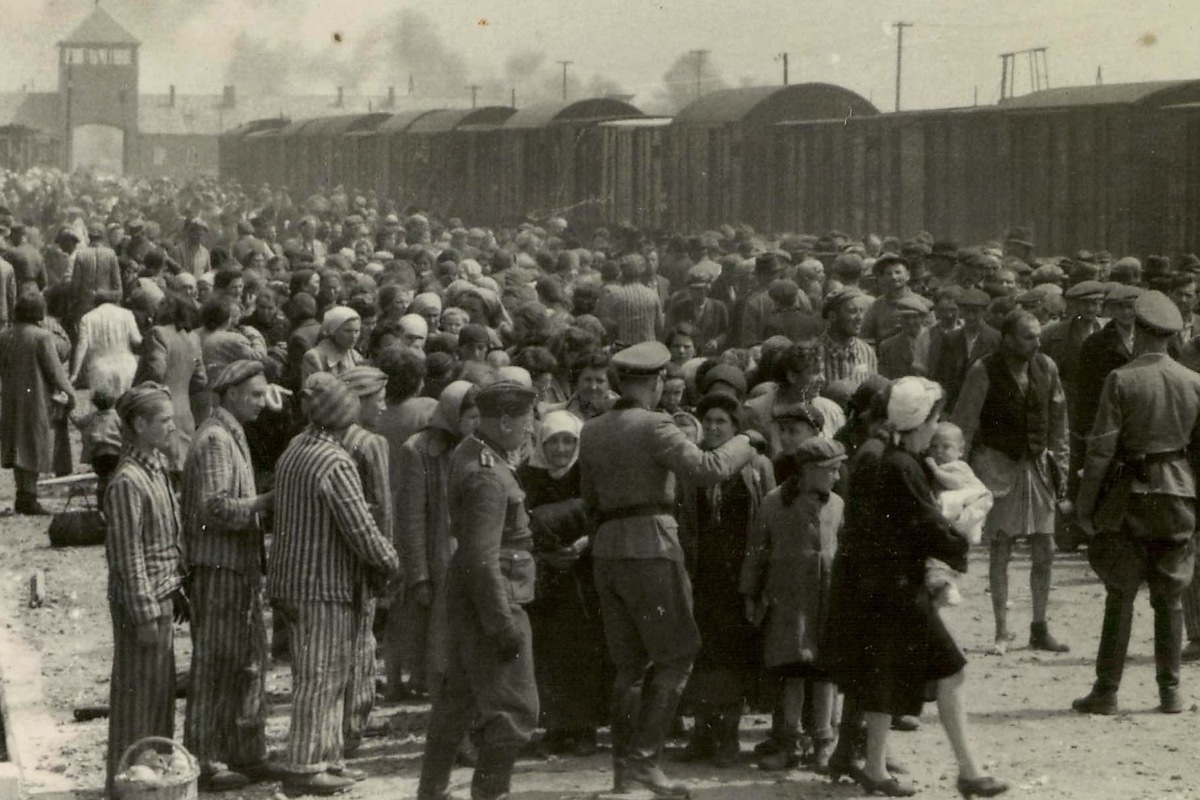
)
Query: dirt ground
[{"x": 57, "y": 658}]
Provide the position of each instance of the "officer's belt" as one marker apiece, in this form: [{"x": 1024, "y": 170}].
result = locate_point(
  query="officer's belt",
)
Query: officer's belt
[
  {"x": 626, "y": 512},
  {"x": 1136, "y": 465}
]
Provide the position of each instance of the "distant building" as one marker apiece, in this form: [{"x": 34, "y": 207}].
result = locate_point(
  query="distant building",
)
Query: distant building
[{"x": 99, "y": 119}]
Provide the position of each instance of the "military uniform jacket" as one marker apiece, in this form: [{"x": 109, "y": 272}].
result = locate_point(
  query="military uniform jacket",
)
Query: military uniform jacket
[
  {"x": 1147, "y": 407},
  {"x": 629, "y": 458},
  {"x": 493, "y": 567}
]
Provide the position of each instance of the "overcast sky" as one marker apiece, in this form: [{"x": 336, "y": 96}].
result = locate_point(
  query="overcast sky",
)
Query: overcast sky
[{"x": 629, "y": 45}]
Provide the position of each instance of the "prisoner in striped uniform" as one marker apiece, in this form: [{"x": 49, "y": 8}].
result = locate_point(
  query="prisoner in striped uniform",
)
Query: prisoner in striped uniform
[
  {"x": 370, "y": 453},
  {"x": 226, "y": 710},
  {"x": 327, "y": 547},
  {"x": 144, "y": 580}
]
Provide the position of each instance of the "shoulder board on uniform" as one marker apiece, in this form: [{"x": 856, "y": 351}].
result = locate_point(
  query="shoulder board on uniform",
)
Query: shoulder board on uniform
[{"x": 486, "y": 457}]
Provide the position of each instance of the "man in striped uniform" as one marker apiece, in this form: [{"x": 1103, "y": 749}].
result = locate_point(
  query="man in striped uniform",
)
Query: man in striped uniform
[
  {"x": 226, "y": 711},
  {"x": 327, "y": 546},
  {"x": 144, "y": 580},
  {"x": 490, "y": 681},
  {"x": 370, "y": 453}
]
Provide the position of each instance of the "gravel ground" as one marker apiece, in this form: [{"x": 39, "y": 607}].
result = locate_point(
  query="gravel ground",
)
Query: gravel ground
[{"x": 1022, "y": 726}]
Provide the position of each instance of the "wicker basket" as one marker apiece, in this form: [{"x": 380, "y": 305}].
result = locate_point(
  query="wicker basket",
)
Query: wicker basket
[{"x": 178, "y": 787}]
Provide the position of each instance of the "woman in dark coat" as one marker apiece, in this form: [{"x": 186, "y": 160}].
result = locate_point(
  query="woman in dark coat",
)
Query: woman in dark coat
[
  {"x": 568, "y": 635},
  {"x": 890, "y": 643},
  {"x": 714, "y": 526}
]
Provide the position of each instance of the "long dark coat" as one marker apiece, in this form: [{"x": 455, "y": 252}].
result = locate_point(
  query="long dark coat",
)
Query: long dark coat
[
  {"x": 30, "y": 372},
  {"x": 885, "y": 640}
]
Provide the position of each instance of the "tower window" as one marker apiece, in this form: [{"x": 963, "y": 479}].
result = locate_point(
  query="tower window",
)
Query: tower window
[{"x": 121, "y": 57}]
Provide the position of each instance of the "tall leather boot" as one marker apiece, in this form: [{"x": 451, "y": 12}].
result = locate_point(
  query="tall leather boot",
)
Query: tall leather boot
[
  {"x": 1168, "y": 649},
  {"x": 625, "y": 709},
  {"x": 493, "y": 772},
  {"x": 703, "y": 744},
  {"x": 728, "y": 749},
  {"x": 1110, "y": 659},
  {"x": 436, "y": 765},
  {"x": 654, "y": 723}
]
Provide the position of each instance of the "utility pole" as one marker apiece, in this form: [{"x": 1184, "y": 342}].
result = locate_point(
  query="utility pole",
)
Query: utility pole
[
  {"x": 1100, "y": 75},
  {"x": 699, "y": 54},
  {"x": 474, "y": 87},
  {"x": 513, "y": 103},
  {"x": 899, "y": 26},
  {"x": 565, "y": 64},
  {"x": 784, "y": 56}
]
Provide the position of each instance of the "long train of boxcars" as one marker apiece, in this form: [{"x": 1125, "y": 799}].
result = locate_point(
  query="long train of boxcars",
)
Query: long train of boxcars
[{"x": 1115, "y": 167}]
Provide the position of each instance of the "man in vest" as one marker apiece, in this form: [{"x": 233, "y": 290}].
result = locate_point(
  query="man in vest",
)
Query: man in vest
[
  {"x": 1013, "y": 410},
  {"x": 1137, "y": 500}
]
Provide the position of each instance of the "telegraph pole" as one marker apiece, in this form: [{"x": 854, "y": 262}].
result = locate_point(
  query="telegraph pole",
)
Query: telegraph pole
[
  {"x": 699, "y": 54},
  {"x": 565, "y": 64},
  {"x": 784, "y": 56},
  {"x": 513, "y": 103},
  {"x": 899, "y": 26},
  {"x": 474, "y": 87}
]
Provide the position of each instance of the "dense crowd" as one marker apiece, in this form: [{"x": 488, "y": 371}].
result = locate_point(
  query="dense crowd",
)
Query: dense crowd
[{"x": 527, "y": 443}]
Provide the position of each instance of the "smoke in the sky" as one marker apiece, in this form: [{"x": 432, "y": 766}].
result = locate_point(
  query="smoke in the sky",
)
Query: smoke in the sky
[{"x": 688, "y": 77}]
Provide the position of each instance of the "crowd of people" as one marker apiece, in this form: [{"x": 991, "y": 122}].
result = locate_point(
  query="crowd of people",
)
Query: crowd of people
[{"x": 595, "y": 479}]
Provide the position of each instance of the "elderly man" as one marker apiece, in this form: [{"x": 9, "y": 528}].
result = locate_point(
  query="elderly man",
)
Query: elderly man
[
  {"x": 1013, "y": 409},
  {"x": 328, "y": 554},
  {"x": 226, "y": 709},
  {"x": 414, "y": 330},
  {"x": 845, "y": 356},
  {"x": 1137, "y": 499},
  {"x": 144, "y": 575},
  {"x": 629, "y": 459},
  {"x": 490, "y": 682}
]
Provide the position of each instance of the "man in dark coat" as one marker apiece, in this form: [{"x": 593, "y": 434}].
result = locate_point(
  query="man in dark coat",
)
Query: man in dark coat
[
  {"x": 1137, "y": 498},
  {"x": 1104, "y": 351},
  {"x": 962, "y": 347}
]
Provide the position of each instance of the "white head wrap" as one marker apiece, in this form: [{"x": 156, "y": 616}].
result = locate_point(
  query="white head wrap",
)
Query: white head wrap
[{"x": 911, "y": 402}]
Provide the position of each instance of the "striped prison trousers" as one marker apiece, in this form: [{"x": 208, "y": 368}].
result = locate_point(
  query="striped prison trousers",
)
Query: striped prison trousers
[
  {"x": 321, "y": 640},
  {"x": 360, "y": 691},
  {"x": 226, "y": 707},
  {"x": 142, "y": 689}
]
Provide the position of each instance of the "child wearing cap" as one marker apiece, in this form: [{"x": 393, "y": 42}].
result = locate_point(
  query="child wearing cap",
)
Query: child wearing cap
[
  {"x": 963, "y": 499},
  {"x": 100, "y": 430},
  {"x": 786, "y": 580}
]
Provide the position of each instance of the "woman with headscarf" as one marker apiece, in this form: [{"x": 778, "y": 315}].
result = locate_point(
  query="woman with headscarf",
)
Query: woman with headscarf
[
  {"x": 35, "y": 396},
  {"x": 429, "y": 306},
  {"x": 886, "y": 643},
  {"x": 334, "y": 352},
  {"x": 568, "y": 635},
  {"x": 714, "y": 524},
  {"x": 423, "y": 531}
]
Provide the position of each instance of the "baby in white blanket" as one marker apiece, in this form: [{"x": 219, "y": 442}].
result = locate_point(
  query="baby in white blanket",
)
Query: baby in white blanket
[{"x": 963, "y": 500}]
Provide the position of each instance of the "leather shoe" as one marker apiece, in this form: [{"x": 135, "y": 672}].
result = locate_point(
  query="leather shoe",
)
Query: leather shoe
[
  {"x": 1191, "y": 652},
  {"x": 1097, "y": 703},
  {"x": 1169, "y": 701},
  {"x": 222, "y": 780},
  {"x": 265, "y": 771},
  {"x": 320, "y": 784},
  {"x": 905, "y": 723},
  {"x": 351, "y": 773}
]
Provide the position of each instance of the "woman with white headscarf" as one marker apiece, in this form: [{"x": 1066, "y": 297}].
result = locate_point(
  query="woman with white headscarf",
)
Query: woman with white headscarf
[
  {"x": 886, "y": 641},
  {"x": 334, "y": 352},
  {"x": 568, "y": 636}
]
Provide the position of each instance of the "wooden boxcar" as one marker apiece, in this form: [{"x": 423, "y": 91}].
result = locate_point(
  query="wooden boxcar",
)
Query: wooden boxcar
[
  {"x": 390, "y": 179},
  {"x": 620, "y": 164},
  {"x": 235, "y": 151},
  {"x": 721, "y": 157},
  {"x": 540, "y": 174}
]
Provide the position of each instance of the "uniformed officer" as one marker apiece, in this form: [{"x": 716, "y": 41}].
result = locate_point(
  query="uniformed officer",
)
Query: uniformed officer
[
  {"x": 1137, "y": 497},
  {"x": 489, "y": 684},
  {"x": 629, "y": 459}
]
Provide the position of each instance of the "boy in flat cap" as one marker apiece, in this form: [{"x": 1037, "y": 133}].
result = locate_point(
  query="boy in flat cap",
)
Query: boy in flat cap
[
  {"x": 629, "y": 458},
  {"x": 897, "y": 352},
  {"x": 1137, "y": 500},
  {"x": 490, "y": 680}
]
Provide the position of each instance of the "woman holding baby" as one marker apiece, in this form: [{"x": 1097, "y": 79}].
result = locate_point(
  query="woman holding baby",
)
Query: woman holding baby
[{"x": 891, "y": 645}]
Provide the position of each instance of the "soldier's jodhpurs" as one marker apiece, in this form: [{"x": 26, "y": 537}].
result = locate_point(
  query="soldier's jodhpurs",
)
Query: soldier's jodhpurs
[
  {"x": 646, "y": 605},
  {"x": 495, "y": 696},
  {"x": 1123, "y": 561}
]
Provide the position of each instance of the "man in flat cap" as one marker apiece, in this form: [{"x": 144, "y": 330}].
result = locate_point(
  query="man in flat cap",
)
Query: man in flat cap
[
  {"x": 223, "y": 539},
  {"x": 961, "y": 348},
  {"x": 629, "y": 459},
  {"x": 1137, "y": 499},
  {"x": 897, "y": 352},
  {"x": 326, "y": 547},
  {"x": 882, "y": 318},
  {"x": 844, "y": 354},
  {"x": 96, "y": 277},
  {"x": 1104, "y": 351},
  {"x": 489, "y": 684},
  {"x": 1013, "y": 410}
]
